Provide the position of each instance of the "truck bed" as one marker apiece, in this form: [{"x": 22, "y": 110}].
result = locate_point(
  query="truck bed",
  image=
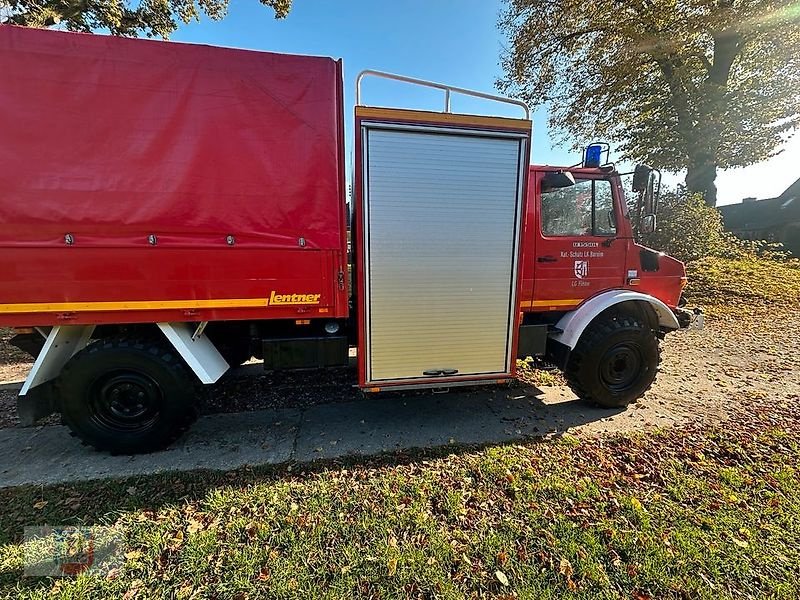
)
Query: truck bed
[{"x": 147, "y": 181}]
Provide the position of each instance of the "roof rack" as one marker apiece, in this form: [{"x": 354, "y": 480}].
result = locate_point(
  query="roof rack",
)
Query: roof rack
[{"x": 448, "y": 90}]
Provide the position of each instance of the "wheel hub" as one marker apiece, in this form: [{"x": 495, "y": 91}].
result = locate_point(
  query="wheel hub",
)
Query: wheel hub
[
  {"x": 126, "y": 401},
  {"x": 620, "y": 366}
]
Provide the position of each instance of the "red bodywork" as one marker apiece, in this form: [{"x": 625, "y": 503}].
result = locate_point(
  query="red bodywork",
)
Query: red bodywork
[
  {"x": 146, "y": 181},
  {"x": 549, "y": 278}
]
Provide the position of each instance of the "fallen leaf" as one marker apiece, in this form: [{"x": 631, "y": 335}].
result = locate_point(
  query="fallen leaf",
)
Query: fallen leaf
[
  {"x": 133, "y": 591},
  {"x": 501, "y": 577},
  {"x": 177, "y": 539},
  {"x": 740, "y": 543},
  {"x": 565, "y": 568},
  {"x": 195, "y": 526}
]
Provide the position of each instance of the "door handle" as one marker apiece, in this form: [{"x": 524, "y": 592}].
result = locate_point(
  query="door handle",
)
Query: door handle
[
  {"x": 548, "y": 258},
  {"x": 440, "y": 372}
]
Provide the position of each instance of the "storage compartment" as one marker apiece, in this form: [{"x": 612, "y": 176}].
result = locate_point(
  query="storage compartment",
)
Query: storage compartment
[
  {"x": 441, "y": 215},
  {"x": 305, "y": 353}
]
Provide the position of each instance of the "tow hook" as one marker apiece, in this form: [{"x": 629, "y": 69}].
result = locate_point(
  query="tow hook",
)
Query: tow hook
[{"x": 690, "y": 318}]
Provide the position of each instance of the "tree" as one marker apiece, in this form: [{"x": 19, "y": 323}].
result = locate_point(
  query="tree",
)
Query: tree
[
  {"x": 121, "y": 17},
  {"x": 696, "y": 85}
]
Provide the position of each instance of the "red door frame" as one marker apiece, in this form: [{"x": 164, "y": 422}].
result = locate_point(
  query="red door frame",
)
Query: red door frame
[{"x": 453, "y": 121}]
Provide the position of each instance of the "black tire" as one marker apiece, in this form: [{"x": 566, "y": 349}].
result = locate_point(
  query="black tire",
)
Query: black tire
[
  {"x": 127, "y": 396},
  {"x": 615, "y": 361}
]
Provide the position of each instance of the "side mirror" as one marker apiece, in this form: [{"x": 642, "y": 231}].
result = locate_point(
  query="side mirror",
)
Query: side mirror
[
  {"x": 641, "y": 178},
  {"x": 557, "y": 179},
  {"x": 648, "y": 223}
]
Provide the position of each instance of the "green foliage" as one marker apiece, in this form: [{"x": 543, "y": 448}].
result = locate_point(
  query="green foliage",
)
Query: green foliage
[
  {"x": 681, "y": 85},
  {"x": 745, "y": 281},
  {"x": 123, "y": 17},
  {"x": 688, "y": 229},
  {"x": 722, "y": 269}
]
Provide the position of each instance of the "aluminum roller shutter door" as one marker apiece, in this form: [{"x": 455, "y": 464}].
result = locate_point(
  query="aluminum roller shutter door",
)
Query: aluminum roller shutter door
[{"x": 442, "y": 221}]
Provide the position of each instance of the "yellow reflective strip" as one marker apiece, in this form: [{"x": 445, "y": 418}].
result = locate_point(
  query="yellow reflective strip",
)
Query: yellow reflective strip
[
  {"x": 133, "y": 305},
  {"x": 366, "y": 112},
  {"x": 533, "y": 303}
]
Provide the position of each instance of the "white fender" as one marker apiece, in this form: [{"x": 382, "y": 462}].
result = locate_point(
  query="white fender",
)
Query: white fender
[
  {"x": 62, "y": 343},
  {"x": 573, "y": 323},
  {"x": 197, "y": 350}
]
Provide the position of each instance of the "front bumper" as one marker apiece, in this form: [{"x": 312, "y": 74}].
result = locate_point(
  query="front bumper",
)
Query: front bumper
[{"x": 690, "y": 318}]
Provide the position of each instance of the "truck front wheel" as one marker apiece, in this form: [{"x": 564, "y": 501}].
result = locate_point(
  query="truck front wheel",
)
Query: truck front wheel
[
  {"x": 614, "y": 362},
  {"x": 126, "y": 396}
]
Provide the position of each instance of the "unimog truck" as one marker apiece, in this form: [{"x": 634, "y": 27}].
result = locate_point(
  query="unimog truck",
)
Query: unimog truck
[{"x": 169, "y": 211}]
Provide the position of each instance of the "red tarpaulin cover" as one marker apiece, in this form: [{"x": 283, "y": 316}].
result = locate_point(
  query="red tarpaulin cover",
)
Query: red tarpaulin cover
[{"x": 112, "y": 139}]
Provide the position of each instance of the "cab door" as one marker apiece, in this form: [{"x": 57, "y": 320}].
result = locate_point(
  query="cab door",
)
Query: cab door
[{"x": 577, "y": 251}]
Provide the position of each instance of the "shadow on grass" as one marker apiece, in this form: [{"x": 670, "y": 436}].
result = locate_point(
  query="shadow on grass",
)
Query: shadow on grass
[{"x": 513, "y": 416}]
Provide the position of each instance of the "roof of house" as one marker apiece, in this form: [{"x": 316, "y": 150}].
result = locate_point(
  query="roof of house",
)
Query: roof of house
[{"x": 764, "y": 214}]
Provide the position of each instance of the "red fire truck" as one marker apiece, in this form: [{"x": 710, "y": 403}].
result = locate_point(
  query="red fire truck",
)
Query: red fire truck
[{"x": 171, "y": 210}]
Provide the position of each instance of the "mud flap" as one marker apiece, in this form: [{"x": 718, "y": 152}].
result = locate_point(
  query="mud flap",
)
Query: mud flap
[
  {"x": 37, "y": 396},
  {"x": 37, "y": 404}
]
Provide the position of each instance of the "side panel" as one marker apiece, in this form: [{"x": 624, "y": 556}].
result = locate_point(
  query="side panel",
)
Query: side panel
[
  {"x": 442, "y": 211},
  {"x": 42, "y": 286},
  {"x": 164, "y": 173}
]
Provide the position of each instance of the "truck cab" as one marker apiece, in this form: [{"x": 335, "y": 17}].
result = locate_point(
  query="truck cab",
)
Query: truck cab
[
  {"x": 594, "y": 301},
  {"x": 580, "y": 241}
]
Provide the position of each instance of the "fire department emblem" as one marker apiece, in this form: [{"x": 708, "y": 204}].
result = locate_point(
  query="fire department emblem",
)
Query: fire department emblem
[{"x": 581, "y": 268}]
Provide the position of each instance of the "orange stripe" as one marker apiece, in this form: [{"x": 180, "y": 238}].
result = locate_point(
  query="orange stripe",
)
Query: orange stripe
[
  {"x": 397, "y": 114},
  {"x": 537, "y": 303},
  {"x": 48, "y": 307}
]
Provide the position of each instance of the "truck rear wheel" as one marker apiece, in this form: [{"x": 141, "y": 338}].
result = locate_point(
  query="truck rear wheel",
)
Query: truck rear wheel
[
  {"x": 127, "y": 396},
  {"x": 614, "y": 362}
]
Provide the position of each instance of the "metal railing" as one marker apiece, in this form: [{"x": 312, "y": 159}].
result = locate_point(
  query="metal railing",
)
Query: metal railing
[{"x": 448, "y": 90}]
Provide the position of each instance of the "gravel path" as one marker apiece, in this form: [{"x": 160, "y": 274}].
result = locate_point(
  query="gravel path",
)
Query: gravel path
[
  {"x": 14, "y": 363},
  {"x": 735, "y": 359}
]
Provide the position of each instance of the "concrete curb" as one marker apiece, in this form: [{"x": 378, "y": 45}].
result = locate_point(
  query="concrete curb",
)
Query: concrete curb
[{"x": 49, "y": 455}]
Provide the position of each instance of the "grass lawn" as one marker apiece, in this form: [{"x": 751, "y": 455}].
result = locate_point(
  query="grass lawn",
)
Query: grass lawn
[
  {"x": 690, "y": 512},
  {"x": 712, "y": 513}
]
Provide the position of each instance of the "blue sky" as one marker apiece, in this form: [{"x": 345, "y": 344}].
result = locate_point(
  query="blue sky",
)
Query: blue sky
[{"x": 451, "y": 41}]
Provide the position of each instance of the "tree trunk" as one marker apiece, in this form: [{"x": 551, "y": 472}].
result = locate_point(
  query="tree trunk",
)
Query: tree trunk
[{"x": 700, "y": 177}]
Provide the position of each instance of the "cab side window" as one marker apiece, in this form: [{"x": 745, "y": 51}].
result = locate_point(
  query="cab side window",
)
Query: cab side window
[{"x": 583, "y": 209}]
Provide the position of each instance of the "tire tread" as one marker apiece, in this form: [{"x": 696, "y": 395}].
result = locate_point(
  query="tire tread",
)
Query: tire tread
[
  {"x": 592, "y": 337},
  {"x": 149, "y": 346}
]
